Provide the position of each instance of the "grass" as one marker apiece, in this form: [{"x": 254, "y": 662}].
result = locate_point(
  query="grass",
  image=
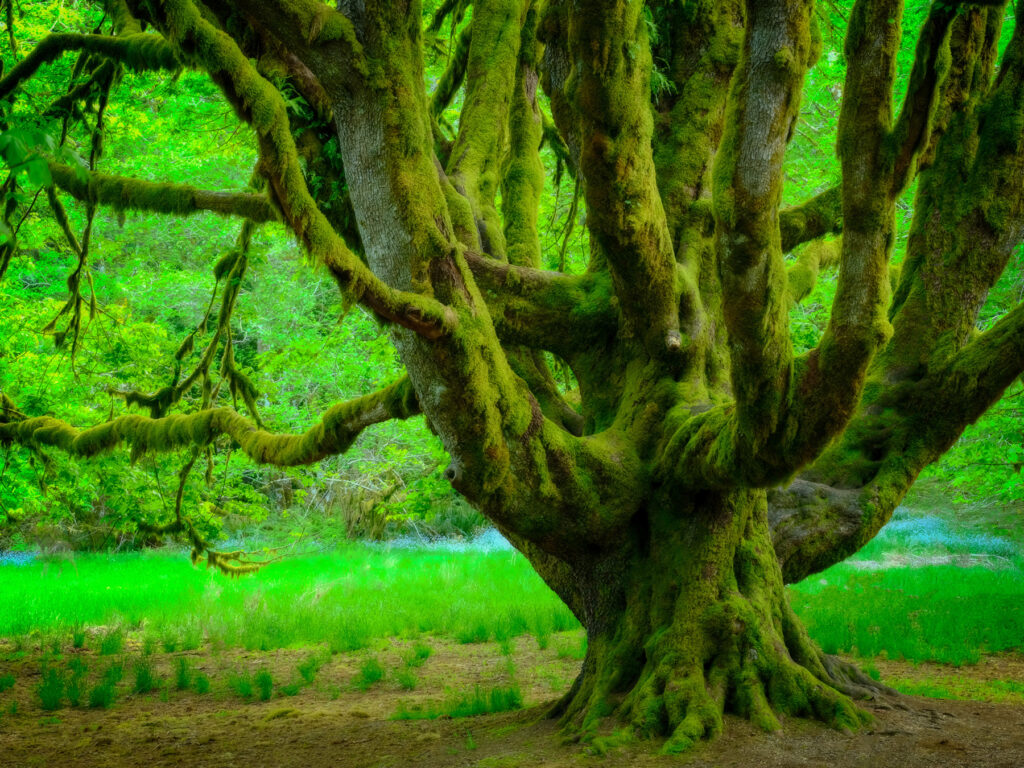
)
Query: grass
[
  {"x": 51, "y": 689},
  {"x": 370, "y": 673},
  {"x": 355, "y": 597},
  {"x": 241, "y": 684},
  {"x": 264, "y": 684},
  {"x": 936, "y": 613},
  {"x": 146, "y": 679},
  {"x": 6, "y": 682},
  {"x": 182, "y": 674},
  {"x": 345, "y": 600},
  {"x": 480, "y": 702},
  {"x": 961, "y": 688}
]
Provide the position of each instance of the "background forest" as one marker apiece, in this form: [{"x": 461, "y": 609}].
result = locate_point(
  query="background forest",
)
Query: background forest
[{"x": 151, "y": 281}]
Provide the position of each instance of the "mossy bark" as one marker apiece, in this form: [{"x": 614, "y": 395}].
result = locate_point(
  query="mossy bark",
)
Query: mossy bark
[{"x": 688, "y": 620}]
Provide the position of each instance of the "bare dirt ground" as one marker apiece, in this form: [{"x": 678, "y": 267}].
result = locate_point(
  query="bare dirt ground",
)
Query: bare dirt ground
[{"x": 332, "y": 723}]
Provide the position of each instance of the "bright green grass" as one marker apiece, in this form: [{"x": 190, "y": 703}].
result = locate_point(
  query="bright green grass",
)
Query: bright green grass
[
  {"x": 478, "y": 702},
  {"x": 350, "y": 599},
  {"x": 346, "y": 599},
  {"x": 933, "y": 613}
]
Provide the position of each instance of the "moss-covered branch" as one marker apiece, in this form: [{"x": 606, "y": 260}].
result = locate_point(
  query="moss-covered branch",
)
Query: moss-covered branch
[
  {"x": 611, "y": 58},
  {"x": 263, "y": 107},
  {"x": 802, "y": 276},
  {"x": 492, "y": 65},
  {"x": 819, "y": 216},
  {"x": 763, "y": 105},
  {"x": 545, "y": 310},
  {"x": 334, "y": 434},
  {"x": 128, "y": 194},
  {"x": 140, "y": 52}
]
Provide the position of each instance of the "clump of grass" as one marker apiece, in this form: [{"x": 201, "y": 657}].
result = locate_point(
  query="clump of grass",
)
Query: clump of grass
[
  {"x": 51, "y": 689},
  {"x": 265, "y": 684},
  {"x": 292, "y": 689},
  {"x": 573, "y": 650},
  {"x": 369, "y": 675},
  {"x": 6, "y": 682},
  {"x": 406, "y": 679},
  {"x": 241, "y": 684},
  {"x": 112, "y": 642},
  {"x": 149, "y": 644},
  {"x": 114, "y": 673},
  {"x": 78, "y": 638},
  {"x": 170, "y": 643},
  {"x": 418, "y": 656},
  {"x": 479, "y": 702},
  {"x": 76, "y": 682},
  {"x": 309, "y": 667},
  {"x": 101, "y": 696},
  {"x": 146, "y": 679},
  {"x": 202, "y": 684},
  {"x": 182, "y": 674}
]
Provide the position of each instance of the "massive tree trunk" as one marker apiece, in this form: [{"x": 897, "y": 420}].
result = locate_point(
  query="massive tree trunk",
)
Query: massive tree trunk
[{"x": 688, "y": 621}]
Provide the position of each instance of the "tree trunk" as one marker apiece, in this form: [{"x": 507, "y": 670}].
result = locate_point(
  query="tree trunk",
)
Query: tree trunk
[{"x": 689, "y": 621}]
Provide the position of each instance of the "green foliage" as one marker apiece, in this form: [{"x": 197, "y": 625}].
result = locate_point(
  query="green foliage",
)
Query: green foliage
[
  {"x": 101, "y": 696},
  {"x": 406, "y": 679},
  {"x": 418, "y": 655},
  {"x": 309, "y": 667},
  {"x": 202, "y": 684},
  {"x": 6, "y": 682},
  {"x": 242, "y": 684}
]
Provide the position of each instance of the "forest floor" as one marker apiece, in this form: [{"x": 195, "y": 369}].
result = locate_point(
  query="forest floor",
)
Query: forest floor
[{"x": 332, "y": 722}]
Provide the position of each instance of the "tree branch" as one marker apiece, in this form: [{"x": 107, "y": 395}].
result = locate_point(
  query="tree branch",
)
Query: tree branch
[
  {"x": 140, "y": 52},
  {"x": 819, "y": 216},
  {"x": 540, "y": 309},
  {"x": 261, "y": 105},
  {"x": 124, "y": 193},
  {"x": 334, "y": 434}
]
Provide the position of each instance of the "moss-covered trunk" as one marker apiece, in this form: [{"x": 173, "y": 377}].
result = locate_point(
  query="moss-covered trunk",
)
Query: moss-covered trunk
[{"x": 688, "y": 621}]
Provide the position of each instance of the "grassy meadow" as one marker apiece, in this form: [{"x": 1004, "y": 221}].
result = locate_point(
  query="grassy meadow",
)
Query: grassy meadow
[{"x": 98, "y": 629}]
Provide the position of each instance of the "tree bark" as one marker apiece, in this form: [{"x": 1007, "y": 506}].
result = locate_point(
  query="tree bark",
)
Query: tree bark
[{"x": 686, "y": 622}]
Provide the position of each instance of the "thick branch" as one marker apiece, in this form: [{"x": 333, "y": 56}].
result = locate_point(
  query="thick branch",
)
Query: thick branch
[
  {"x": 611, "y": 57},
  {"x": 540, "y": 309},
  {"x": 125, "y": 193},
  {"x": 819, "y": 216},
  {"x": 141, "y": 52},
  {"x": 334, "y": 434},
  {"x": 763, "y": 105}
]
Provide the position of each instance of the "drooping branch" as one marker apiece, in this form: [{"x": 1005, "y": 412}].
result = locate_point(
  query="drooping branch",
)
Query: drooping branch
[
  {"x": 124, "y": 193},
  {"x": 140, "y": 52},
  {"x": 333, "y": 434}
]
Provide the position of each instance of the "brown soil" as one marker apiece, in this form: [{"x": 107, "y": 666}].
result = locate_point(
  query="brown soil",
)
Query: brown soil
[{"x": 331, "y": 723}]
